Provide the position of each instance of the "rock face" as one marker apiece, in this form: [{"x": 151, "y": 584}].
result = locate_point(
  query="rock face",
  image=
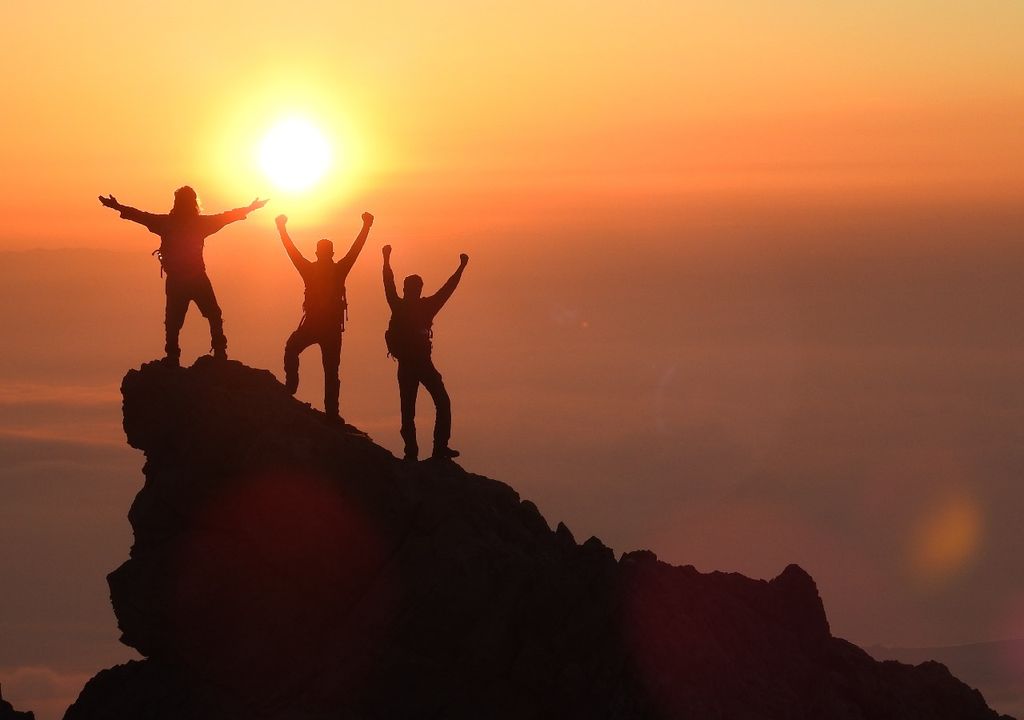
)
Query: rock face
[
  {"x": 7, "y": 711},
  {"x": 284, "y": 567}
]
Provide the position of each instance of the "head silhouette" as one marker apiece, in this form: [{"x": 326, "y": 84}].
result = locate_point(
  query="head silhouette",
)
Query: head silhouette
[
  {"x": 324, "y": 249},
  {"x": 186, "y": 202},
  {"x": 412, "y": 287}
]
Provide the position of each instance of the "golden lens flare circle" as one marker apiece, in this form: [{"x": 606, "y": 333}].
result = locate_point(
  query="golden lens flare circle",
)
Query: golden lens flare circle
[{"x": 294, "y": 154}]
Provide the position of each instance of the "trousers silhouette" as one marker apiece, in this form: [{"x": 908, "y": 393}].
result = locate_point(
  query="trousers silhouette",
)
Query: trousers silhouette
[
  {"x": 411, "y": 374},
  {"x": 180, "y": 292},
  {"x": 329, "y": 340}
]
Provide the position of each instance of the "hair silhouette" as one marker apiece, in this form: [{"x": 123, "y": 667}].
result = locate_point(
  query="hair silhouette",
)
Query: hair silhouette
[{"x": 186, "y": 201}]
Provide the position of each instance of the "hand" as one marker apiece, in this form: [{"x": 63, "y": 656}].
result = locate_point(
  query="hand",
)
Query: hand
[
  {"x": 281, "y": 220},
  {"x": 464, "y": 259},
  {"x": 256, "y": 204},
  {"x": 387, "y": 251},
  {"x": 110, "y": 201},
  {"x": 367, "y": 219}
]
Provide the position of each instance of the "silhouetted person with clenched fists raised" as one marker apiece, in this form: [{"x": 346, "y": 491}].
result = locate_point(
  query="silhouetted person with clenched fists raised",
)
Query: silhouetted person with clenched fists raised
[
  {"x": 183, "y": 232},
  {"x": 409, "y": 341},
  {"x": 324, "y": 306}
]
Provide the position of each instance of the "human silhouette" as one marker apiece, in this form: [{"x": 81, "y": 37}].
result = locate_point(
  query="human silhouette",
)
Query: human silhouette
[
  {"x": 183, "y": 232},
  {"x": 324, "y": 308},
  {"x": 409, "y": 341}
]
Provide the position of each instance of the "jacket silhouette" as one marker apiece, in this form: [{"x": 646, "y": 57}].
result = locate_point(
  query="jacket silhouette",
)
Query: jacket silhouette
[
  {"x": 323, "y": 306},
  {"x": 409, "y": 341},
  {"x": 183, "y": 232}
]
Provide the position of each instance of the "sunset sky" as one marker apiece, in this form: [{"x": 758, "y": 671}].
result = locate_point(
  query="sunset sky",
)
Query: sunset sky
[{"x": 745, "y": 280}]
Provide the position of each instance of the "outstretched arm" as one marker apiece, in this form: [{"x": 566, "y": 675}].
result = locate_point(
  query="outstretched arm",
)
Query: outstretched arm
[
  {"x": 129, "y": 213},
  {"x": 349, "y": 260},
  {"x": 226, "y": 218},
  {"x": 293, "y": 252},
  {"x": 439, "y": 298},
  {"x": 390, "y": 292}
]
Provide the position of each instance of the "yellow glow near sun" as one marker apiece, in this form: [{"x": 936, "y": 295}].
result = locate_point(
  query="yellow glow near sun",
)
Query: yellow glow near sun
[{"x": 294, "y": 154}]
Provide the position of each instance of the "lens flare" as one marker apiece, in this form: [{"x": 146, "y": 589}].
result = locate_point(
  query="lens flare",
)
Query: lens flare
[{"x": 947, "y": 537}]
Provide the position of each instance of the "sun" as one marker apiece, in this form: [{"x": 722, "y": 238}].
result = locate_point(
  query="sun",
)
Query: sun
[{"x": 294, "y": 154}]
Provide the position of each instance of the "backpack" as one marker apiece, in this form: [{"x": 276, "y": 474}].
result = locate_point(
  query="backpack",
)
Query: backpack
[
  {"x": 401, "y": 342},
  {"x": 391, "y": 341},
  {"x": 326, "y": 305}
]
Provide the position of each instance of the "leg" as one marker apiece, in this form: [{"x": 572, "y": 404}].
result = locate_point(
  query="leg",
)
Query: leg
[
  {"x": 408, "y": 385},
  {"x": 298, "y": 341},
  {"x": 178, "y": 298},
  {"x": 330, "y": 351},
  {"x": 207, "y": 303},
  {"x": 432, "y": 381}
]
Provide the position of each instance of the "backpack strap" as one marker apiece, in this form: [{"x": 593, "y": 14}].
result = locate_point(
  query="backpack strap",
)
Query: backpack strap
[
  {"x": 344, "y": 308},
  {"x": 159, "y": 255}
]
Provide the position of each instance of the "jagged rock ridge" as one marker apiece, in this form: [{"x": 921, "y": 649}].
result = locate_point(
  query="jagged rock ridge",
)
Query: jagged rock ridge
[
  {"x": 284, "y": 567},
  {"x": 7, "y": 711}
]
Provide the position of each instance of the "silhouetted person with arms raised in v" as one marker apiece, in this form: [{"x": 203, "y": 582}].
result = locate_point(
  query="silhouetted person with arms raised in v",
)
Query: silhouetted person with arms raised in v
[
  {"x": 324, "y": 307},
  {"x": 409, "y": 341},
  {"x": 183, "y": 232}
]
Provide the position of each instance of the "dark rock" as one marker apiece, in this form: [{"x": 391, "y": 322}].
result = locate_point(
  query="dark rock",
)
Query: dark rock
[
  {"x": 7, "y": 711},
  {"x": 284, "y": 567}
]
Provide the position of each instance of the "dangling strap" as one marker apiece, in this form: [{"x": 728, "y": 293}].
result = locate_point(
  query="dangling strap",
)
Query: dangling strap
[
  {"x": 159, "y": 256},
  {"x": 344, "y": 308}
]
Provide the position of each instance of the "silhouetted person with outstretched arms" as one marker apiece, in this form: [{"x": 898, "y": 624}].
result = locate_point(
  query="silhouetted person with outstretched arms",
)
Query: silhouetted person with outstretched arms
[
  {"x": 324, "y": 306},
  {"x": 409, "y": 341},
  {"x": 183, "y": 232}
]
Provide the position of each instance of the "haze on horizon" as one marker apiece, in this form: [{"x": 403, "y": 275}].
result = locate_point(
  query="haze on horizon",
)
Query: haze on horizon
[{"x": 745, "y": 285}]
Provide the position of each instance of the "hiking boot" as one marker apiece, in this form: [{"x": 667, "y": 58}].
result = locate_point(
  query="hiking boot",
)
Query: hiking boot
[{"x": 444, "y": 453}]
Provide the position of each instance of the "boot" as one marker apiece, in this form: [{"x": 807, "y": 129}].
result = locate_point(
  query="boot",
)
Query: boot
[{"x": 444, "y": 453}]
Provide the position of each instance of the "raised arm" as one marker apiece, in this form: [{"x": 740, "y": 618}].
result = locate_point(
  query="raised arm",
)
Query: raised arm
[
  {"x": 130, "y": 213},
  {"x": 390, "y": 292},
  {"x": 439, "y": 298},
  {"x": 293, "y": 252},
  {"x": 346, "y": 263}
]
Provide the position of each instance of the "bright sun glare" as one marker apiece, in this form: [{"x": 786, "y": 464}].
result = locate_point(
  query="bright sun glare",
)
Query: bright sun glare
[{"x": 294, "y": 154}]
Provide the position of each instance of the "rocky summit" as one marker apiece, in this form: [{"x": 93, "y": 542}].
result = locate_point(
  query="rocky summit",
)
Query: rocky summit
[{"x": 287, "y": 567}]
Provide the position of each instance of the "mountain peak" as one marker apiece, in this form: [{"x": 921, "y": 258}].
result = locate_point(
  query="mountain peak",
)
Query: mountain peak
[{"x": 286, "y": 567}]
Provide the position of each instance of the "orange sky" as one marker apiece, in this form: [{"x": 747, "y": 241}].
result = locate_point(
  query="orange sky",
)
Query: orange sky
[{"x": 470, "y": 101}]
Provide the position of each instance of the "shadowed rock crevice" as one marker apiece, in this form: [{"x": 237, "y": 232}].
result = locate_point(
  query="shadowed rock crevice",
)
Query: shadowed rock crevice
[{"x": 285, "y": 567}]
